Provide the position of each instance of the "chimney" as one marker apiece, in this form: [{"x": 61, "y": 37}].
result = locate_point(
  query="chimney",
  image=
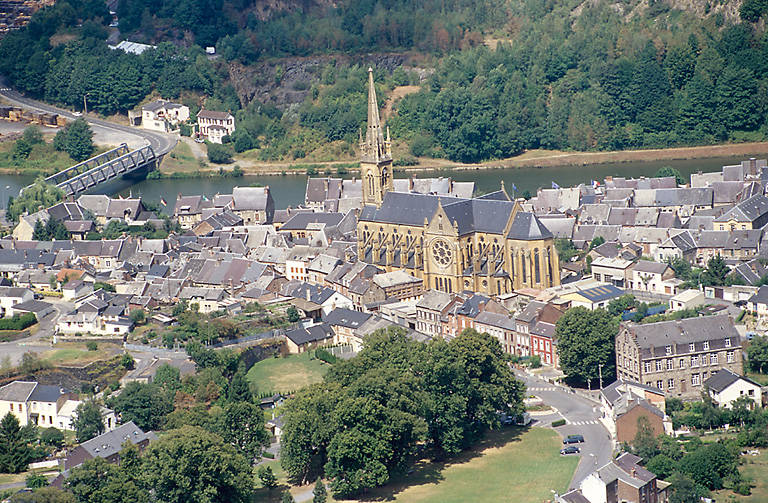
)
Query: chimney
[
  {"x": 634, "y": 472},
  {"x": 308, "y": 294},
  {"x": 752, "y": 166},
  {"x": 481, "y": 307}
]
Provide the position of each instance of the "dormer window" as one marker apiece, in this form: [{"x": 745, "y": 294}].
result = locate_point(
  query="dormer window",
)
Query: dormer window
[
  {"x": 669, "y": 350},
  {"x": 692, "y": 347},
  {"x": 706, "y": 345},
  {"x": 728, "y": 342}
]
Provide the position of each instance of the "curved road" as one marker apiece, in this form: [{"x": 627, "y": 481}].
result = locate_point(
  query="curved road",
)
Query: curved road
[
  {"x": 161, "y": 143},
  {"x": 582, "y": 417}
]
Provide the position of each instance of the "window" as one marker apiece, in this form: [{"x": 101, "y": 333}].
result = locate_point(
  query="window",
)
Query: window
[
  {"x": 660, "y": 384},
  {"x": 669, "y": 350},
  {"x": 706, "y": 345},
  {"x": 691, "y": 347},
  {"x": 713, "y": 359},
  {"x": 670, "y": 364},
  {"x": 695, "y": 361},
  {"x": 729, "y": 356},
  {"x": 695, "y": 380},
  {"x": 681, "y": 363},
  {"x": 659, "y": 365},
  {"x": 704, "y": 376},
  {"x": 670, "y": 384},
  {"x": 647, "y": 367},
  {"x": 728, "y": 342}
]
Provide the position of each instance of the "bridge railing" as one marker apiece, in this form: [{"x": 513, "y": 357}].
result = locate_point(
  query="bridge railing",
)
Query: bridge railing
[
  {"x": 87, "y": 165},
  {"x": 113, "y": 168}
]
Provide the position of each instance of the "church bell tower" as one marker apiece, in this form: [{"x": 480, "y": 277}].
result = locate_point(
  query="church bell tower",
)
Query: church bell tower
[{"x": 375, "y": 153}]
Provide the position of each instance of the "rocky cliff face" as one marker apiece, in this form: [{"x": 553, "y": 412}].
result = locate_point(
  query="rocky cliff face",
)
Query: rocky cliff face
[{"x": 287, "y": 81}]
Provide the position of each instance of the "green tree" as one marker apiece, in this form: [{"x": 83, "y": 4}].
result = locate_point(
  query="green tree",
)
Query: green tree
[
  {"x": 685, "y": 490},
  {"x": 239, "y": 390},
  {"x": 716, "y": 272},
  {"x": 52, "y": 437},
  {"x": 44, "y": 495},
  {"x": 38, "y": 196},
  {"x": 88, "y": 422},
  {"x": 586, "y": 342},
  {"x": 645, "y": 443},
  {"x": 267, "y": 477},
  {"x": 168, "y": 377},
  {"x": 757, "y": 353},
  {"x": 319, "y": 494},
  {"x": 98, "y": 481},
  {"x": 190, "y": 464},
  {"x": 661, "y": 465},
  {"x": 287, "y": 497},
  {"x": 36, "y": 481},
  {"x": 144, "y": 404},
  {"x": 666, "y": 171},
  {"x": 219, "y": 154},
  {"x": 617, "y": 306},
  {"x": 242, "y": 425},
  {"x": 138, "y": 316},
  {"x": 596, "y": 241},
  {"x": 127, "y": 361},
  {"x": 33, "y": 135},
  {"x": 21, "y": 150},
  {"x": 79, "y": 140},
  {"x": 15, "y": 452},
  {"x": 293, "y": 314}
]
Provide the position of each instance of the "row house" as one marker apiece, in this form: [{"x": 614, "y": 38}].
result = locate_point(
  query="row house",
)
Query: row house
[
  {"x": 462, "y": 314},
  {"x": 624, "y": 479},
  {"x": 500, "y": 326},
  {"x": 678, "y": 356},
  {"x": 430, "y": 311},
  {"x": 653, "y": 277},
  {"x": 737, "y": 245},
  {"x": 749, "y": 214},
  {"x": 534, "y": 331}
]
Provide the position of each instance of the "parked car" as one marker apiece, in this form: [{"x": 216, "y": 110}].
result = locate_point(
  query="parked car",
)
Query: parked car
[
  {"x": 573, "y": 439},
  {"x": 571, "y": 449}
]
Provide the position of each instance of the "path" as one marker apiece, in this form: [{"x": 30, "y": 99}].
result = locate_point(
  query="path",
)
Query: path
[
  {"x": 14, "y": 350},
  {"x": 582, "y": 416}
]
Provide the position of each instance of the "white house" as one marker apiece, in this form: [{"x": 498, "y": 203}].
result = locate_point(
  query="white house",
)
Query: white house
[
  {"x": 650, "y": 276},
  {"x": 725, "y": 387},
  {"x": 687, "y": 299},
  {"x": 208, "y": 300},
  {"x": 215, "y": 125},
  {"x": 161, "y": 115},
  {"x": 10, "y": 296}
]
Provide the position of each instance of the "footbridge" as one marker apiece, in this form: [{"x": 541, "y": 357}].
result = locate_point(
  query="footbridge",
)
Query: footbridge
[{"x": 104, "y": 167}]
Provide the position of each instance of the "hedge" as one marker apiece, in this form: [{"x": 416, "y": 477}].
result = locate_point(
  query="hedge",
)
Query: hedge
[
  {"x": 559, "y": 422},
  {"x": 268, "y": 454},
  {"x": 18, "y": 322},
  {"x": 327, "y": 357}
]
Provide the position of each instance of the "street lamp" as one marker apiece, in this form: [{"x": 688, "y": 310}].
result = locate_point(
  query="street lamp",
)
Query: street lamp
[
  {"x": 600, "y": 374},
  {"x": 85, "y": 104}
]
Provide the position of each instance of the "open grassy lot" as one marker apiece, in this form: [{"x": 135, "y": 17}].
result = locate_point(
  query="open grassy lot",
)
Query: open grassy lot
[
  {"x": 755, "y": 468},
  {"x": 78, "y": 354},
  {"x": 289, "y": 373},
  {"x": 180, "y": 159}
]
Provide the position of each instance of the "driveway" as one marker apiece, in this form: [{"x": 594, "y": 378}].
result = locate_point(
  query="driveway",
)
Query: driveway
[{"x": 582, "y": 416}]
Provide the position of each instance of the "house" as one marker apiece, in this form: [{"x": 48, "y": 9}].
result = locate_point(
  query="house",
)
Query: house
[
  {"x": 75, "y": 289},
  {"x": 188, "y": 210},
  {"x": 623, "y": 403},
  {"x": 500, "y": 326},
  {"x": 678, "y": 356},
  {"x": 271, "y": 402},
  {"x": 749, "y": 214},
  {"x": 399, "y": 285},
  {"x": 647, "y": 276},
  {"x": 344, "y": 323},
  {"x": 11, "y": 296},
  {"x": 615, "y": 271},
  {"x": 758, "y": 303},
  {"x": 209, "y": 300},
  {"x": 687, "y": 299},
  {"x": 624, "y": 480},
  {"x": 215, "y": 125},
  {"x": 725, "y": 387},
  {"x": 163, "y": 116},
  {"x": 37, "y": 307},
  {"x": 430, "y": 310},
  {"x": 594, "y": 297},
  {"x": 534, "y": 331},
  {"x": 254, "y": 205},
  {"x": 303, "y": 339}
]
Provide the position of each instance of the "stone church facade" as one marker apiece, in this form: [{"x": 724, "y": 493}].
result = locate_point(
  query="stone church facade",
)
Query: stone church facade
[{"x": 485, "y": 244}]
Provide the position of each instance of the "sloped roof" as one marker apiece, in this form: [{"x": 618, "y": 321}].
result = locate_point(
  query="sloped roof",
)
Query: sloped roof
[
  {"x": 723, "y": 379},
  {"x": 749, "y": 210}
]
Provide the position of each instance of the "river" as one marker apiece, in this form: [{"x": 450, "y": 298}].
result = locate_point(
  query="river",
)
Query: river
[{"x": 289, "y": 190}]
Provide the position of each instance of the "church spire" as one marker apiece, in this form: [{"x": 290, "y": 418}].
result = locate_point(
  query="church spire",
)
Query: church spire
[{"x": 375, "y": 148}]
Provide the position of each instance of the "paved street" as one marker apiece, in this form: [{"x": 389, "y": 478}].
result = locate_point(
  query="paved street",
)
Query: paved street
[
  {"x": 582, "y": 417},
  {"x": 16, "y": 349},
  {"x": 117, "y": 133}
]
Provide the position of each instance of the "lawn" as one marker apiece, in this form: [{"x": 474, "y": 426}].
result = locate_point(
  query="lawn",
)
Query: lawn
[
  {"x": 76, "y": 353},
  {"x": 755, "y": 468},
  {"x": 520, "y": 465},
  {"x": 286, "y": 374},
  {"x": 180, "y": 159}
]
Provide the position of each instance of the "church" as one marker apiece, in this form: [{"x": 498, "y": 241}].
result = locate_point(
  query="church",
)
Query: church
[{"x": 486, "y": 244}]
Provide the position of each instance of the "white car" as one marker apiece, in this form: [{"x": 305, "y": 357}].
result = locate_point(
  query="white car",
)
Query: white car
[{"x": 77, "y": 114}]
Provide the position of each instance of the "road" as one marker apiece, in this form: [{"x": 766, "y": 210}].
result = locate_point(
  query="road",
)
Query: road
[
  {"x": 161, "y": 143},
  {"x": 582, "y": 417},
  {"x": 14, "y": 350}
]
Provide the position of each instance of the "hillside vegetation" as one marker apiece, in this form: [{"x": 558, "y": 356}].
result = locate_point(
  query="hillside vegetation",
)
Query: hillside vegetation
[{"x": 566, "y": 75}]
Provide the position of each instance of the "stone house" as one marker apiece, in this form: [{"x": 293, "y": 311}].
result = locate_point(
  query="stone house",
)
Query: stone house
[
  {"x": 650, "y": 276},
  {"x": 215, "y": 125}
]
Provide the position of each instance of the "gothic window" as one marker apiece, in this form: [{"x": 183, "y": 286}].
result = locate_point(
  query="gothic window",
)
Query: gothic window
[
  {"x": 549, "y": 264},
  {"x": 442, "y": 253},
  {"x": 384, "y": 177},
  {"x": 536, "y": 265},
  {"x": 370, "y": 183},
  {"x": 450, "y": 286},
  {"x": 523, "y": 259}
]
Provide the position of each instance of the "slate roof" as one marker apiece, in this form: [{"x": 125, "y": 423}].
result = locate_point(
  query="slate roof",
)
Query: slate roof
[
  {"x": 495, "y": 320},
  {"x": 526, "y": 226},
  {"x": 212, "y": 114},
  {"x": 301, "y": 336},
  {"x": 724, "y": 378},
  {"x": 46, "y": 393},
  {"x": 110, "y": 443},
  {"x": 348, "y": 318},
  {"x": 301, "y": 221},
  {"x": 650, "y": 267},
  {"x": 17, "y": 391},
  {"x": 749, "y": 210},
  {"x": 251, "y": 198},
  {"x": 704, "y": 328},
  {"x": 761, "y": 296}
]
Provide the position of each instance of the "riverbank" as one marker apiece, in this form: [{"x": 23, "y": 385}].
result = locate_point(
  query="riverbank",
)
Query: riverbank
[{"x": 529, "y": 159}]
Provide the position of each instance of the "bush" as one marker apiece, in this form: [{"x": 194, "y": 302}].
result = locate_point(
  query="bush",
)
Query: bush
[
  {"x": 18, "y": 322},
  {"x": 559, "y": 422},
  {"x": 324, "y": 355},
  {"x": 185, "y": 130},
  {"x": 267, "y": 454},
  {"x": 535, "y": 361},
  {"x": 52, "y": 437},
  {"x": 36, "y": 481},
  {"x": 219, "y": 154},
  {"x": 92, "y": 345}
]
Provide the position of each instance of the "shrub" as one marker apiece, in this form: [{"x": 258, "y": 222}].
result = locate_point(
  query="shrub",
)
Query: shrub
[
  {"x": 219, "y": 154},
  {"x": 18, "y": 322},
  {"x": 559, "y": 422},
  {"x": 53, "y": 437},
  {"x": 324, "y": 355},
  {"x": 535, "y": 361},
  {"x": 36, "y": 481},
  {"x": 268, "y": 454},
  {"x": 92, "y": 345}
]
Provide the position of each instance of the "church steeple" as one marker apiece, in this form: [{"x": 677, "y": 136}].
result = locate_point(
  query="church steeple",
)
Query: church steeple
[{"x": 375, "y": 152}]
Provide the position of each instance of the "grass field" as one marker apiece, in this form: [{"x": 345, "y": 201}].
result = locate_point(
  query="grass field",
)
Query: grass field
[
  {"x": 180, "y": 160},
  {"x": 517, "y": 465},
  {"x": 286, "y": 374},
  {"x": 76, "y": 353},
  {"x": 755, "y": 468}
]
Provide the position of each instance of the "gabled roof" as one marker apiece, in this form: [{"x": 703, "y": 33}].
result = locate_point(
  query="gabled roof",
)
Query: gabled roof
[
  {"x": 526, "y": 226},
  {"x": 111, "y": 442},
  {"x": 17, "y": 391},
  {"x": 725, "y": 378},
  {"x": 348, "y": 318},
  {"x": 749, "y": 210}
]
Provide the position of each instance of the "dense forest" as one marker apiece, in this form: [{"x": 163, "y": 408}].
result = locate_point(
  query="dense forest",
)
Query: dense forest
[{"x": 561, "y": 75}]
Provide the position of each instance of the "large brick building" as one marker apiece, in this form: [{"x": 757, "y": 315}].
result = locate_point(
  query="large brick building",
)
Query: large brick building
[{"x": 678, "y": 356}]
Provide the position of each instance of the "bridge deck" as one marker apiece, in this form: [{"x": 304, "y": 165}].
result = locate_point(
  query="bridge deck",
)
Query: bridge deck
[
  {"x": 112, "y": 168},
  {"x": 87, "y": 165}
]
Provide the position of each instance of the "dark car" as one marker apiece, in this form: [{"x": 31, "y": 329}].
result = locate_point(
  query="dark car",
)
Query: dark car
[
  {"x": 570, "y": 450},
  {"x": 573, "y": 439}
]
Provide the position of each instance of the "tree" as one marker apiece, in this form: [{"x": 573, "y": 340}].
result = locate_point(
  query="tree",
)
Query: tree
[
  {"x": 319, "y": 494},
  {"x": 76, "y": 140},
  {"x": 168, "y": 378},
  {"x": 645, "y": 443},
  {"x": 666, "y": 171},
  {"x": 21, "y": 150},
  {"x": 15, "y": 452},
  {"x": 127, "y": 361},
  {"x": 36, "y": 481},
  {"x": 757, "y": 353},
  {"x": 685, "y": 490},
  {"x": 716, "y": 272},
  {"x": 38, "y": 196},
  {"x": 287, "y": 497},
  {"x": 661, "y": 465},
  {"x": 267, "y": 477},
  {"x": 293, "y": 314},
  {"x": 242, "y": 425},
  {"x": 52, "y": 437},
  {"x": 596, "y": 241},
  {"x": 191, "y": 464},
  {"x": 33, "y": 135},
  {"x": 585, "y": 342},
  {"x": 99, "y": 481},
  {"x": 144, "y": 404},
  {"x": 88, "y": 422},
  {"x": 239, "y": 390},
  {"x": 617, "y": 306},
  {"x": 138, "y": 316},
  {"x": 219, "y": 154}
]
